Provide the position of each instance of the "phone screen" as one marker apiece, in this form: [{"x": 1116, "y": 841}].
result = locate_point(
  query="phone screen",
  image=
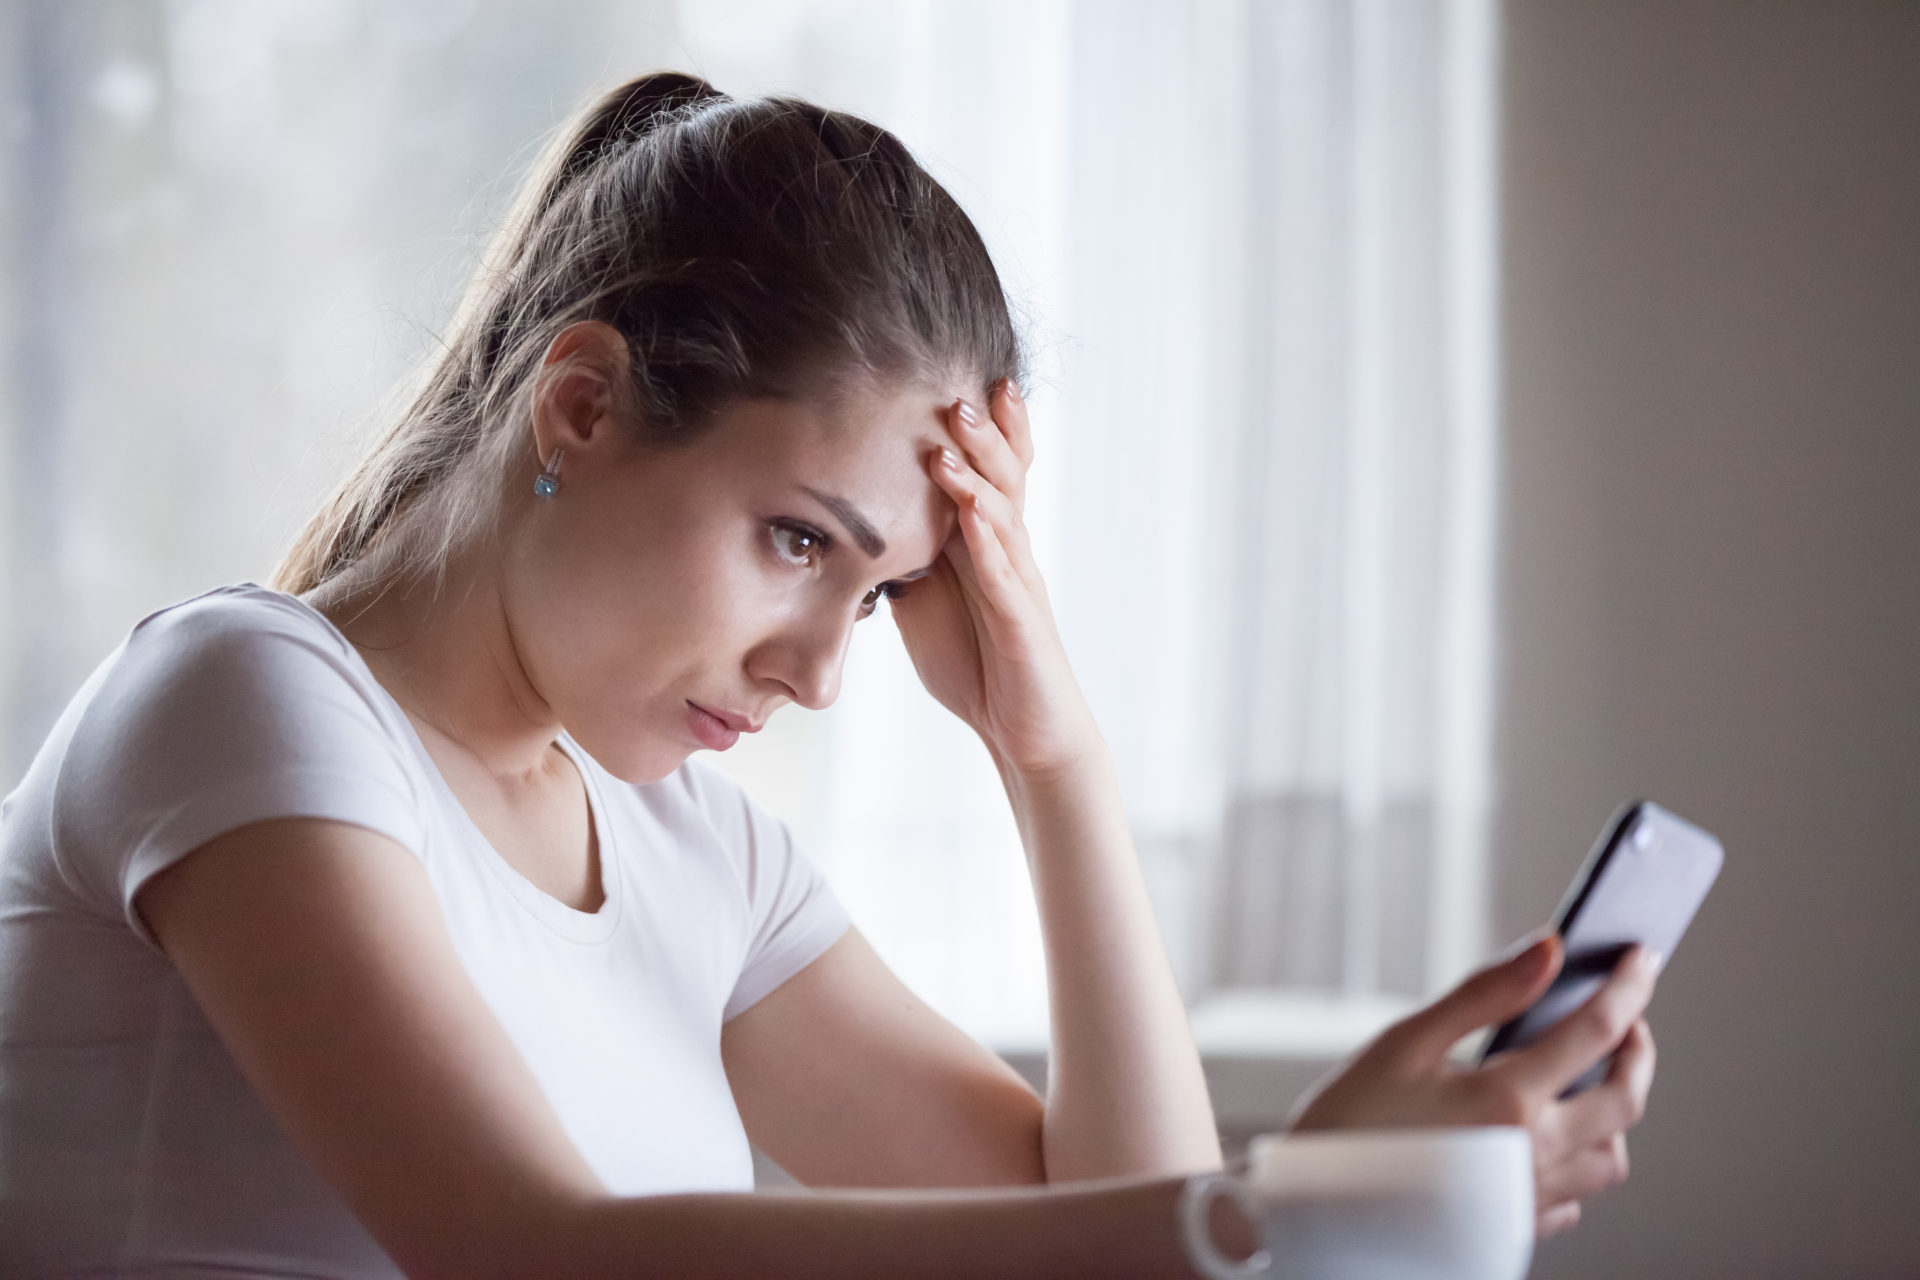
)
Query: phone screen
[{"x": 1643, "y": 882}]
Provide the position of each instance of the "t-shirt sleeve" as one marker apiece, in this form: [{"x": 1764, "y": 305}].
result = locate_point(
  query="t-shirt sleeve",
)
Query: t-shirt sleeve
[
  {"x": 212, "y": 716},
  {"x": 793, "y": 914}
]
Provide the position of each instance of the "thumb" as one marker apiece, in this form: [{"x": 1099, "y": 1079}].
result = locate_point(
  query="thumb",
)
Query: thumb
[{"x": 1500, "y": 991}]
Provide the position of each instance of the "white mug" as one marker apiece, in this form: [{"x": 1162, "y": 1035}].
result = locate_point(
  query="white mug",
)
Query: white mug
[{"x": 1367, "y": 1204}]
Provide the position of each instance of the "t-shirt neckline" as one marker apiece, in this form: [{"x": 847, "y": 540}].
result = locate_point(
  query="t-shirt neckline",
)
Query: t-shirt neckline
[{"x": 577, "y": 926}]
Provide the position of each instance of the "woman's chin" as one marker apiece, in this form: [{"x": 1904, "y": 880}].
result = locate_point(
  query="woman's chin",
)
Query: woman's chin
[
  {"x": 659, "y": 765},
  {"x": 641, "y": 763}
]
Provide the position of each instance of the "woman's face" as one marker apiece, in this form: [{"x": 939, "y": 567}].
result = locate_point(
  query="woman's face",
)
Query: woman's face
[{"x": 666, "y": 598}]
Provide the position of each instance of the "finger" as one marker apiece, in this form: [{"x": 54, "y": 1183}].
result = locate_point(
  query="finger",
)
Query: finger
[
  {"x": 1009, "y": 409},
  {"x": 1617, "y": 1102},
  {"x": 956, "y": 562},
  {"x": 1002, "y": 594},
  {"x": 968, "y": 487},
  {"x": 1559, "y": 1218},
  {"x": 1586, "y": 1172},
  {"x": 990, "y": 453},
  {"x": 1494, "y": 994},
  {"x": 1572, "y": 1045},
  {"x": 997, "y": 582}
]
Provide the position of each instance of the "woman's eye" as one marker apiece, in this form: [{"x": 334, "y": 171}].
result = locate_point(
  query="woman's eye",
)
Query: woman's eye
[
  {"x": 797, "y": 547},
  {"x": 891, "y": 590}
]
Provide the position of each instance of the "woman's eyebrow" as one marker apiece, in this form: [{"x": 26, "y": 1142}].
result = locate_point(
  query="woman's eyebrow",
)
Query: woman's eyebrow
[{"x": 864, "y": 534}]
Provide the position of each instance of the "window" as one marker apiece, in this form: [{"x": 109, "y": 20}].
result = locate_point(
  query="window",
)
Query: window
[{"x": 1252, "y": 245}]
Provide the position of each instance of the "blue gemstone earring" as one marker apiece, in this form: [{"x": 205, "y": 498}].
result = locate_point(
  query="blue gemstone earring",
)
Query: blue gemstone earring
[{"x": 547, "y": 483}]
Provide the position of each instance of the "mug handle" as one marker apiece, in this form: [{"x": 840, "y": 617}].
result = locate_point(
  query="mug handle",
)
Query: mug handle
[{"x": 1196, "y": 1205}]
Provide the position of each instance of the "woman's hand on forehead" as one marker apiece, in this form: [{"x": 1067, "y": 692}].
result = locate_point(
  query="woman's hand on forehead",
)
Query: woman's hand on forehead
[{"x": 980, "y": 630}]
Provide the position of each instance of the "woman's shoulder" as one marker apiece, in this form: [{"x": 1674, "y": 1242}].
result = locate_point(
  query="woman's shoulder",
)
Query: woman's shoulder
[
  {"x": 229, "y": 707},
  {"x": 235, "y": 658},
  {"x": 234, "y": 647},
  {"x": 234, "y": 615}
]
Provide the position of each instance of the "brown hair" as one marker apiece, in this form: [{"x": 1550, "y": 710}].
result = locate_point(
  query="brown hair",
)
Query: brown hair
[{"x": 744, "y": 248}]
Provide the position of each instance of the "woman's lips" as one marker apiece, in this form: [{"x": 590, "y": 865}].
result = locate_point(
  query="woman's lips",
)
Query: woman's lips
[{"x": 710, "y": 729}]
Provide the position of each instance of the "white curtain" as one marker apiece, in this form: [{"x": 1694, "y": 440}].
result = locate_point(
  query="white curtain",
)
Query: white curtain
[{"x": 1282, "y": 513}]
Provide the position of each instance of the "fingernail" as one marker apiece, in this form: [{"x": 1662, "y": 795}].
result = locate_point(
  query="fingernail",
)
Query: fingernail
[
  {"x": 948, "y": 459},
  {"x": 1013, "y": 391},
  {"x": 967, "y": 414}
]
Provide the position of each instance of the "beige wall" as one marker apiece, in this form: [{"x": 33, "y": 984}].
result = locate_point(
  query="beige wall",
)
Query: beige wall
[{"x": 1712, "y": 590}]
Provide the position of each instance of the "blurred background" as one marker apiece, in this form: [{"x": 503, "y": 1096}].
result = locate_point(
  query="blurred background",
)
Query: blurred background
[{"x": 1454, "y": 418}]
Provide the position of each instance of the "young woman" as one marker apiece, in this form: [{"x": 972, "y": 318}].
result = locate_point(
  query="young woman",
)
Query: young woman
[{"x": 375, "y": 920}]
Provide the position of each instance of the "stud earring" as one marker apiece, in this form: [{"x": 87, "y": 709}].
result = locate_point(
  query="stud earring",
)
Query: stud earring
[{"x": 547, "y": 483}]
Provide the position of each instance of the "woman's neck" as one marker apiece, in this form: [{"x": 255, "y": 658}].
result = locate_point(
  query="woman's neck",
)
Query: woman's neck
[{"x": 448, "y": 658}]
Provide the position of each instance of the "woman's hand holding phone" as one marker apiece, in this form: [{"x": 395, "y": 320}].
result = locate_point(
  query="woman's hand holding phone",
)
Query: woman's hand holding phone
[
  {"x": 1406, "y": 1077},
  {"x": 980, "y": 629}
]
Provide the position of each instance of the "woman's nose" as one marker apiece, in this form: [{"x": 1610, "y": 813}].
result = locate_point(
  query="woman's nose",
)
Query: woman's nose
[{"x": 806, "y": 657}]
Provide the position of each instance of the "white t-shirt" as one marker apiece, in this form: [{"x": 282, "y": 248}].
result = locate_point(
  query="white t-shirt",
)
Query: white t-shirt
[{"x": 129, "y": 1142}]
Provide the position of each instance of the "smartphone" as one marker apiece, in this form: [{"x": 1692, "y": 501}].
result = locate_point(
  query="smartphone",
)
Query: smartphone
[{"x": 1647, "y": 875}]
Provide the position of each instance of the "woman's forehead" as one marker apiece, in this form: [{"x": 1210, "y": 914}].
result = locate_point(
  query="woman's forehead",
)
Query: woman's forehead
[
  {"x": 885, "y": 428},
  {"x": 867, "y": 452}
]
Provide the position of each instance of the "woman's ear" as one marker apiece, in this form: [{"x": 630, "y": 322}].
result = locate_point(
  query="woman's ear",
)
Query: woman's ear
[{"x": 582, "y": 389}]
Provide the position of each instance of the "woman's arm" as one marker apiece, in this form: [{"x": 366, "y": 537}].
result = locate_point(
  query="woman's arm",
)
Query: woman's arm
[
  {"x": 848, "y": 1079},
  {"x": 1125, "y": 1091},
  {"x": 317, "y": 951},
  {"x": 1110, "y": 1231}
]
